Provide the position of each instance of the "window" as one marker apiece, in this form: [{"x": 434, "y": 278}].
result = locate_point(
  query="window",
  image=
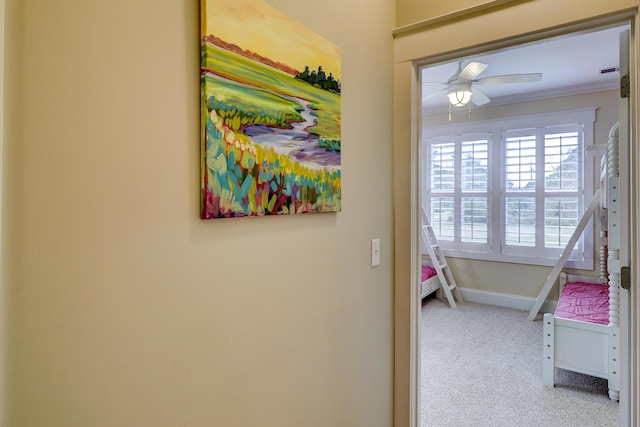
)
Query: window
[
  {"x": 511, "y": 190},
  {"x": 459, "y": 188}
]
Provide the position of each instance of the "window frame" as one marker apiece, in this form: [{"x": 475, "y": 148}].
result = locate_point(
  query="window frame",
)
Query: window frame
[
  {"x": 494, "y": 249},
  {"x": 458, "y": 194}
]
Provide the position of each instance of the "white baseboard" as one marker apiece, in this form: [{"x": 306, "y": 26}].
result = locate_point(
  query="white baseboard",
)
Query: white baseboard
[{"x": 505, "y": 300}]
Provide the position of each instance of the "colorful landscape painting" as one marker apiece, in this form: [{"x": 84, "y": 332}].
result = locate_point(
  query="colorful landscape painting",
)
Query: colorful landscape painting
[{"x": 270, "y": 113}]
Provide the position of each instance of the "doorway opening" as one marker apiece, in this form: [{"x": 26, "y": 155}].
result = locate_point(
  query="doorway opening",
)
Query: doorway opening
[{"x": 508, "y": 162}]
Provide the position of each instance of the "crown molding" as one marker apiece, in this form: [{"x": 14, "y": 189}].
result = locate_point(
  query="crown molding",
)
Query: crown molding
[{"x": 483, "y": 7}]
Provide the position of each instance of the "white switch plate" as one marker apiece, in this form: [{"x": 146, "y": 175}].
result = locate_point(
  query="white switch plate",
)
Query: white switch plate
[{"x": 375, "y": 252}]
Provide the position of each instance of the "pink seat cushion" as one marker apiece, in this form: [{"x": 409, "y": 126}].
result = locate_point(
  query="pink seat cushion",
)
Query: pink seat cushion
[
  {"x": 587, "y": 302},
  {"x": 427, "y": 272}
]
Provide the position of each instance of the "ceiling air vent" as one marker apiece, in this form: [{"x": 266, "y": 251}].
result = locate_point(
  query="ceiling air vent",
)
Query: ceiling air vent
[{"x": 609, "y": 70}]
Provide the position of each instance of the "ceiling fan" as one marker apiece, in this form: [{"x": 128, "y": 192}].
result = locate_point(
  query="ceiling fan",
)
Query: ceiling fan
[{"x": 461, "y": 86}]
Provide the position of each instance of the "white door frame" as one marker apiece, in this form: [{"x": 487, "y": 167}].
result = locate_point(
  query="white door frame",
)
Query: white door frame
[
  {"x": 626, "y": 308},
  {"x": 628, "y": 411},
  {"x": 3, "y": 291}
]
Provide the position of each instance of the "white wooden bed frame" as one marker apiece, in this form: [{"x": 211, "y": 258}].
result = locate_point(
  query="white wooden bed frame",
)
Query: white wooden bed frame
[
  {"x": 430, "y": 285},
  {"x": 588, "y": 348}
]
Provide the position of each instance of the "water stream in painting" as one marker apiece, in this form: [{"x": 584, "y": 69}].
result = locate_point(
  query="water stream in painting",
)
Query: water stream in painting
[{"x": 296, "y": 142}]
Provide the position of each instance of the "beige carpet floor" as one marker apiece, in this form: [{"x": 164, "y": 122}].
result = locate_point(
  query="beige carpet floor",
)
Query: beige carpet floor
[{"x": 482, "y": 367}]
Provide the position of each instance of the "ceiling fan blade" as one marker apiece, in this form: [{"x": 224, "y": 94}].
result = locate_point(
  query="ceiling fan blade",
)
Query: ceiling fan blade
[
  {"x": 455, "y": 75},
  {"x": 510, "y": 78},
  {"x": 478, "y": 97},
  {"x": 472, "y": 70},
  {"x": 434, "y": 93}
]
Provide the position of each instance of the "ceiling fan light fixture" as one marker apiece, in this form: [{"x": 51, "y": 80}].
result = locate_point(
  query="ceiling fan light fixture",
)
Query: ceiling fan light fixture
[{"x": 459, "y": 94}]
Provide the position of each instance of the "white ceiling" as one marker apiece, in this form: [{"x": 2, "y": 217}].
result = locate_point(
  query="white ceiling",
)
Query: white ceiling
[{"x": 569, "y": 65}]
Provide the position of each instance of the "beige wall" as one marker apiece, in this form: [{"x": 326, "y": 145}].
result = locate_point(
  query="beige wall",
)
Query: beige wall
[
  {"x": 496, "y": 276},
  {"x": 499, "y": 25},
  {"x": 410, "y": 12},
  {"x": 125, "y": 308},
  {"x": 445, "y": 41},
  {"x": 3, "y": 308}
]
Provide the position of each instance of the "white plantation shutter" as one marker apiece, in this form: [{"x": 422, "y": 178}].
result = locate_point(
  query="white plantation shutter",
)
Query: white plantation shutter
[
  {"x": 520, "y": 160},
  {"x": 543, "y": 188},
  {"x": 511, "y": 190},
  {"x": 519, "y": 186},
  {"x": 443, "y": 211},
  {"x": 474, "y": 187},
  {"x": 561, "y": 218},
  {"x": 443, "y": 167},
  {"x": 520, "y": 221},
  {"x": 563, "y": 189},
  {"x": 442, "y": 184},
  {"x": 459, "y": 187}
]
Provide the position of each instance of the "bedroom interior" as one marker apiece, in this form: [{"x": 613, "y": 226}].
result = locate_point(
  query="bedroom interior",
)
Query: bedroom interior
[
  {"x": 122, "y": 307},
  {"x": 479, "y": 381},
  {"x": 457, "y": 196}
]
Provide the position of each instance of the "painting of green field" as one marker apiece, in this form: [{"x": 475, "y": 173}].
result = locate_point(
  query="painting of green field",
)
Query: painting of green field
[{"x": 270, "y": 114}]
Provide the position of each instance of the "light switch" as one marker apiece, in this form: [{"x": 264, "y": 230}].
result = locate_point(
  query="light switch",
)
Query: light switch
[{"x": 375, "y": 252}]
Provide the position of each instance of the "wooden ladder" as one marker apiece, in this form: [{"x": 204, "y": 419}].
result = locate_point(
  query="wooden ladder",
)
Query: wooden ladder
[
  {"x": 557, "y": 269},
  {"x": 447, "y": 282}
]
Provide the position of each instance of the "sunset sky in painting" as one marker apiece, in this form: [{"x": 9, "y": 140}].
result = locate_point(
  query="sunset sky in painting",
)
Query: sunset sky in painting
[{"x": 256, "y": 26}]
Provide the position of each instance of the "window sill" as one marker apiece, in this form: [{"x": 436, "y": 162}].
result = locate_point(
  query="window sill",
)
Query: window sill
[{"x": 585, "y": 264}]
